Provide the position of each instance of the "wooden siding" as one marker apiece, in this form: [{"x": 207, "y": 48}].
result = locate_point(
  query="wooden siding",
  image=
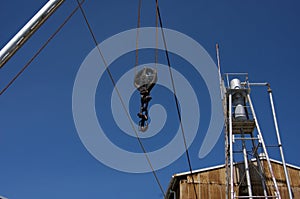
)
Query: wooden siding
[{"x": 211, "y": 184}]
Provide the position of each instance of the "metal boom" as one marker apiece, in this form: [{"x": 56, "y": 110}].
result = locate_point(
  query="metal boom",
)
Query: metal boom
[{"x": 28, "y": 29}]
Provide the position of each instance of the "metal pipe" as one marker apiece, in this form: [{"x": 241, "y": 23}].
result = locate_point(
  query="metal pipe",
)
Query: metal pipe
[
  {"x": 30, "y": 27},
  {"x": 247, "y": 167},
  {"x": 219, "y": 65},
  {"x": 231, "y": 147},
  {"x": 263, "y": 145},
  {"x": 226, "y": 154},
  {"x": 227, "y": 80},
  {"x": 279, "y": 144},
  {"x": 174, "y": 194},
  {"x": 218, "y": 60},
  {"x": 237, "y": 74},
  {"x": 223, "y": 97},
  {"x": 221, "y": 81},
  {"x": 239, "y": 138},
  {"x": 262, "y": 177},
  {"x": 259, "y": 84}
]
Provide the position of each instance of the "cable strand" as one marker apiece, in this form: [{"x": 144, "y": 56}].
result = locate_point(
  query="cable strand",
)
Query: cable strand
[
  {"x": 40, "y": 50},
  {"x": 175, "y": 98},
  {"x": 121, "y": 99},
  {"x": 156, "y": 35},
  {"x": 137, "y": 37}
]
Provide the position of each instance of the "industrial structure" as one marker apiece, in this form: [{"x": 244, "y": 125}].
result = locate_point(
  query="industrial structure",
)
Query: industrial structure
[
  {"x": 248, "y": 171},
  {"x": 211, "y": 182},
  {"x": 244, "y": 140}
]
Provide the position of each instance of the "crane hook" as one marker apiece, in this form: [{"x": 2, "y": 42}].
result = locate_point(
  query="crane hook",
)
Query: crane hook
[{"x": 144, "y": 81}]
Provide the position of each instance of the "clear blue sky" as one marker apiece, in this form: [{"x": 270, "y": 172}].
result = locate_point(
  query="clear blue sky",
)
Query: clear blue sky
[{"x": 41, "y": 153}]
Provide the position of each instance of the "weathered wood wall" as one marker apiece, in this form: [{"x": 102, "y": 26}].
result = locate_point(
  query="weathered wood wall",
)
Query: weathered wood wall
[{"x": 211, "y": 184}]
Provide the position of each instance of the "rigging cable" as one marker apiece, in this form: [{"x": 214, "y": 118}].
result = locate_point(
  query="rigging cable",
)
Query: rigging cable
[
  {"x": 146, "y": 78},
  {"x": 40, "y": 50},
  {"x": 137, "y": 37},
  {"x": 138, "y": 33},
  {"x": 120, "y": 97},
  {"x": 156, "y": 34},
  {"x": 175, "y": 98}
]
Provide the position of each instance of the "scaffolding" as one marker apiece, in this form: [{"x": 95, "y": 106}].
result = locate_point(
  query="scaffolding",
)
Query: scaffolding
[{"x": 244, "y": 140}]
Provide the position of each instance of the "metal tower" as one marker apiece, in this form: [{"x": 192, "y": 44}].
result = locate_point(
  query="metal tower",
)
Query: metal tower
[{"x": 244, "y": 142}]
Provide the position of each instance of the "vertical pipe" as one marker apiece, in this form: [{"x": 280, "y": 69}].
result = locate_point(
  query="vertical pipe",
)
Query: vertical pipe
[
  {"x": 227, "y": 79},
  {"x": 246, "y": 167},
  {"x": 174, "y": 194},
  {"x": 219, "y": 65},
  {"x": 231, "y": 147},
  {"x": 223, "y": 94},
  {"x": 227, "y": 147},
  {"x": 260, "y": 168},
  {"x": 280, "y": 145},
  {"x": 263, "y": 145}
]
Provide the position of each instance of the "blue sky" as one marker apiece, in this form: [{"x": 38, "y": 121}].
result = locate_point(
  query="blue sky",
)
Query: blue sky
[{"x": 41, "y": 153}]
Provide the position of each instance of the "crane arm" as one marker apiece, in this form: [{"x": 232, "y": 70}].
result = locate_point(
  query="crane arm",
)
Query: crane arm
[{"x": 28, "y": 30}]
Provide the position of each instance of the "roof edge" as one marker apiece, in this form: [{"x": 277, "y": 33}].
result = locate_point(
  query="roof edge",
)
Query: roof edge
[{"x": 175, "y": 177}]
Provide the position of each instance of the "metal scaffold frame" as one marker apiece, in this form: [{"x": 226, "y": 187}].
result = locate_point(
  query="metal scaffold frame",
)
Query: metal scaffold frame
[{"x": 242, "y": 126}]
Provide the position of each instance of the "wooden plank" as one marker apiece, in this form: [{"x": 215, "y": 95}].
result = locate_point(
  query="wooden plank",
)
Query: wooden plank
[
  {"x": 211, "y": 184},
  {"x": 294, "y": 177}
]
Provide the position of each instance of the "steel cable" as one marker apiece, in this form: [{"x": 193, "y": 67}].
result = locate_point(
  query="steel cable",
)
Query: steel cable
[
  {"x": 175, "y": 98},
  {"x": 40, "y": 50},
  {"x": 120, "y": 98}
]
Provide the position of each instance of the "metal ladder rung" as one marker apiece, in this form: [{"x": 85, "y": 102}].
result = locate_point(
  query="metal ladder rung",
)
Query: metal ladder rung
[{"x": 240, "y": 138}]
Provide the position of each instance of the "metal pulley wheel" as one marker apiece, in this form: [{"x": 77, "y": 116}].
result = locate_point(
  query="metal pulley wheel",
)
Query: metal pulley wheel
[{"x": 145, "y": 78}]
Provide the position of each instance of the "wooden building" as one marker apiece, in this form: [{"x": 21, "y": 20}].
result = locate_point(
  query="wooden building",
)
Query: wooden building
[{"x": 210, "y": 183}]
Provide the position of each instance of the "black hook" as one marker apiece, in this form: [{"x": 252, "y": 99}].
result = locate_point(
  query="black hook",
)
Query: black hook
[
  {"x": 143, "y": 114},
  {"x": 144, "y": 81}
]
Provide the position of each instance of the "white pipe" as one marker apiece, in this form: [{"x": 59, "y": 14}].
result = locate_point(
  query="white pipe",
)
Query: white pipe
[
  {"x": 247, "y": 170},
  {"x": 258, "y": 84},
  {"x": 263, "y": 145},
  {"x": 280, "y": 145},
  {"x": 231, "y": 147},
  {"x": 174, "y": 194},
  {"x": 16, "y": 42}
]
